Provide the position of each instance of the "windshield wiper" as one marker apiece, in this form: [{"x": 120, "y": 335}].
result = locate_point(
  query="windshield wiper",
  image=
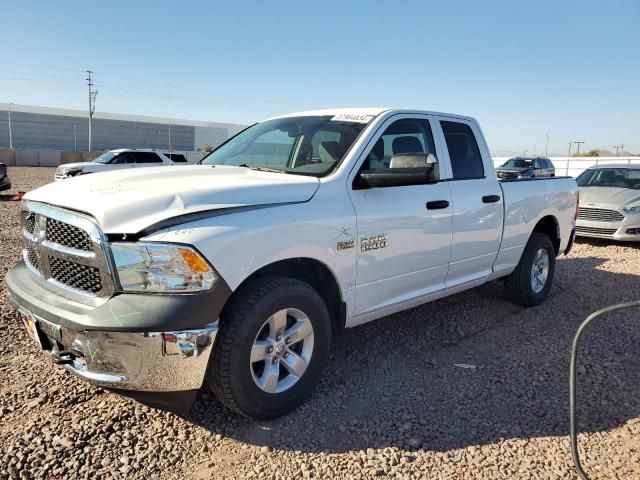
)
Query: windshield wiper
[{"x": 260, "y": 168}]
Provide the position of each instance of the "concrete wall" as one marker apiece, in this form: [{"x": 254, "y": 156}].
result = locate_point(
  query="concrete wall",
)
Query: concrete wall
[
  {"x": 8, "y": 157},
  {"x": 37, "y": 158}
]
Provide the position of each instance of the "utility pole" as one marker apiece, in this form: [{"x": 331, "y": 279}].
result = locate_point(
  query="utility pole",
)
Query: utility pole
[
  {"x": 75, "y": 137},
  {"x": 618, "y": 148},
  {"x": 92, "y": 103},
  {"x": 158, "y": 143},
  {"x": 169, "y": 119},
  {"x": 10, "y": 132},
  {"x": 578, "y": 143},
  {"x": 546, "y": 145}
]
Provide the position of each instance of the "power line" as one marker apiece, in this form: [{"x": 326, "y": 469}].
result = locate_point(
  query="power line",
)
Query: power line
[{"x": 137, "y": 81}]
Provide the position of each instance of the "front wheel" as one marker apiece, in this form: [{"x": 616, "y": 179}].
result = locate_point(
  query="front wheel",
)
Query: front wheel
[
  {"x": 273, "y": 342},
  {"x": 530, "y": 282}
]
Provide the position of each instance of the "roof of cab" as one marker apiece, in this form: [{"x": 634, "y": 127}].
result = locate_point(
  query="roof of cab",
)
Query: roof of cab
[{"x": 369, "y": 111}]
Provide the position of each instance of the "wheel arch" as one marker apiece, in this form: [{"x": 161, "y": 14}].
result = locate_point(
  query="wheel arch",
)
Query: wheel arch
[
  {"x": 549, "y": 226},
  {"x": 315, "y": 273}
]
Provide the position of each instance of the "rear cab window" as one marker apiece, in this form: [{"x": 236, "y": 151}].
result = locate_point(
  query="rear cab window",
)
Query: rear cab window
[{"x": 464, "y": 153}]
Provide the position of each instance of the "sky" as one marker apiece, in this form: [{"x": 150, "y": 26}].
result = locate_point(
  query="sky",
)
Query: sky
[{"x": 569, "y": 69}]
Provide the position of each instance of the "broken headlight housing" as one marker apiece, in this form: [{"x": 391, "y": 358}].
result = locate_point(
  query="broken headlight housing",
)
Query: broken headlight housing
[{"x": 161, "y": 268}]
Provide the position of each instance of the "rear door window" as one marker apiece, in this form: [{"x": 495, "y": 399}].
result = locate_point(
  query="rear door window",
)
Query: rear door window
[
  {"x": 147, "y": 157},
  {"x": 466, "y": 161}
]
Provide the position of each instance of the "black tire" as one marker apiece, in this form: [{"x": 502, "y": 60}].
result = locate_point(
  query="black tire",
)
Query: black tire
[
  {"x": 229, "y": 374},
  {"x": 518, "y": 284}
]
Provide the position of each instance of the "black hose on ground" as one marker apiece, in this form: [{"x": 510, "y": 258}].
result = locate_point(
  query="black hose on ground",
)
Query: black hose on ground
[{"x": 573, "y": 433}]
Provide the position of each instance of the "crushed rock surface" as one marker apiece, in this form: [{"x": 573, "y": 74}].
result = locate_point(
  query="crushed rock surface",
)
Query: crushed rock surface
[{"x": 391, "y": 403}]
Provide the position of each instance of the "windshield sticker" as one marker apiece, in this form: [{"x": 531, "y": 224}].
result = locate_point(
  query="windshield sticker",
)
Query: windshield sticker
[{"x": 352, "y": 117}]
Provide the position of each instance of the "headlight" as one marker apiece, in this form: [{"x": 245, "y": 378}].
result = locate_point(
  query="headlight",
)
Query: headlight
[
  {"x": 157, "y": 267},
  {"x": 634, "y": 209},
  {"x": 67, "y": 171}
]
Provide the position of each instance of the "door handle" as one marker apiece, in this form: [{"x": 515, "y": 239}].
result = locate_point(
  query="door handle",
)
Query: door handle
[
  {"x": 491, "y": 198},
  {"x": 437, "y": 204}
]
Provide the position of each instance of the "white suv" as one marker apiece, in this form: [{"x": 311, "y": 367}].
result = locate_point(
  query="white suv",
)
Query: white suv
[{"x": 119, "y": 159}]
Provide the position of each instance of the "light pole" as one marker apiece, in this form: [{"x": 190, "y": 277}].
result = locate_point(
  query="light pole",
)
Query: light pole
[
  {"x": 546, "y": 145},
  {"x": 10, "y": 132},
  {"x": 158, "y": 145},
  {"x": 75, "y": 137},
  {"x": 92, "y": 103}
]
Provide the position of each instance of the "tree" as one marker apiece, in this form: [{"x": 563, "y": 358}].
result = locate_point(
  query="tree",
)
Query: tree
[
  {"x": 590, "y": 153},
  {"x": 207, "y": 148}
]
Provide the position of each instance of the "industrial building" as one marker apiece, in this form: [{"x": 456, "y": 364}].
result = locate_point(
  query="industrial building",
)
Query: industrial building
[{"x": 25, "y": 126}]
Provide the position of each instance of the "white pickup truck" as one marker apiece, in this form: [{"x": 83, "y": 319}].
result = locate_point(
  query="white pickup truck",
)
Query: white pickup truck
[
  {"x": 120, "y": 159},
  {"x": 240, "y": 269}
]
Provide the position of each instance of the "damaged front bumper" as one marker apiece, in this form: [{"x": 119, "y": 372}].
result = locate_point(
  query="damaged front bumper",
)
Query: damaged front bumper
[{"x": 96, "y": 344}]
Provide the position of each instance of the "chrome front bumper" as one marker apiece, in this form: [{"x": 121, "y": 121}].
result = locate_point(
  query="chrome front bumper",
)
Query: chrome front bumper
[
  {"x": 137, "y": 342},
  {"x": 142, "y": 361}
]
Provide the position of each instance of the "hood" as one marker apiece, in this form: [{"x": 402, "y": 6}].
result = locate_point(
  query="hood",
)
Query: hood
[
  {"x": 77, "y": 165},
  {"x": 614, "y": 197},
  {"x": 513, "y": 169},
  {"x": 127, "y": 201}
]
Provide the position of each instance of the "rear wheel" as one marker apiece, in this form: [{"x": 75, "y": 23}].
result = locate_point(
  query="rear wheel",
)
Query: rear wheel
[
  {"x": 530, "y": 282},
  {"x": 273, "y": 343}
]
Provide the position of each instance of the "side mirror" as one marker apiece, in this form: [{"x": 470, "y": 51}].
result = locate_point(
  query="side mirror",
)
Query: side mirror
[{"x": 404, "y": 169}]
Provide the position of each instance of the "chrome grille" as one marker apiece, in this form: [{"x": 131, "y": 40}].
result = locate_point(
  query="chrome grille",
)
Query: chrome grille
[
  {"x": 75, "y": 275},
  {"x": 600, "y": 215},
  {"x": 68, "y": 235},
  {"x": 507, "y": 175},
  {"x": 32, "y": 257},
  {"x": 596, "y": 231},
  {"x": 28, "y": 220},
  {"x": 66, "y": 251}
]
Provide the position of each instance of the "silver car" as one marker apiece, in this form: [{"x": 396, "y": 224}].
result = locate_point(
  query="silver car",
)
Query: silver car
[{"x": 610, "y": 202}]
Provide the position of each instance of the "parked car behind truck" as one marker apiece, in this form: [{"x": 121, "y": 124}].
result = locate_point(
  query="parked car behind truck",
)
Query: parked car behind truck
[
  {"x": 526, "y": 167},
  {"x": 119, "y": 159},
  {"x": 610, "y": 208},
  {"x": 297, "y": 227},
  {"x": 5, "y": 181}
]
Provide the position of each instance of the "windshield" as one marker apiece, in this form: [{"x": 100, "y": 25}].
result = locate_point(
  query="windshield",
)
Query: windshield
[
  {"x": 610, "y": 177},
  {"x": 105, "y": 157},
  {"x": 309, "y": 145},
  {"x": 518, "y": 163}
]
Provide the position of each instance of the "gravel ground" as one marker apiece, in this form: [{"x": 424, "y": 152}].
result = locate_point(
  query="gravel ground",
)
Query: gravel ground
[{"x": 390, "y": 404}]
